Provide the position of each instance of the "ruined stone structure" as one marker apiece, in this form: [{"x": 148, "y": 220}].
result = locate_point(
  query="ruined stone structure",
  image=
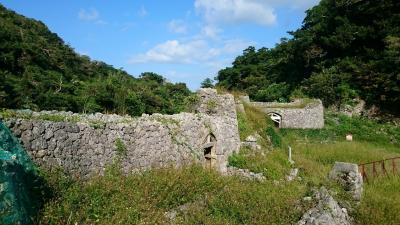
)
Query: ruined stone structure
[
  {"x": 347, "y": 175},
  {"x": 85, "y": 144},
  {"x": 303, "y": 114}
]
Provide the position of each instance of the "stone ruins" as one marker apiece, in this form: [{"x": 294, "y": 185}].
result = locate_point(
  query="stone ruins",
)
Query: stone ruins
[
  {"x": 302, "y": 113},
  {"x": 84, "y": 145}
]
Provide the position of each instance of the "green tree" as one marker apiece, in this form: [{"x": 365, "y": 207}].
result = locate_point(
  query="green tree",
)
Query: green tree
[
  {"x": 39, "y": 71},
  {"x": 207, "y": 83},
  {"x": 336, "y": 53},
  {"x": 274, "y": 92}
]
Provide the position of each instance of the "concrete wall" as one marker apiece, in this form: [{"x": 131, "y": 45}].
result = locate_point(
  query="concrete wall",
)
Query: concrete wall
[
  {"x": 86, "y": 144},
  {"x": 294, "y": 114}
]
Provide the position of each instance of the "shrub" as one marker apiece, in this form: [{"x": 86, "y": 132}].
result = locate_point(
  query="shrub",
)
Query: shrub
[
  {"x": 191, "y": 102},
  {"x": 237, "y": 160},
  {"x": 120, "y": 147}
]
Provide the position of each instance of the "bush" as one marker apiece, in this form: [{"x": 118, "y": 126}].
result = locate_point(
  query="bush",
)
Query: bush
[
  {"x": 237, "y": 160},
  {"x": 191, "y": 102},
  {"x": 120, "y": 147}
]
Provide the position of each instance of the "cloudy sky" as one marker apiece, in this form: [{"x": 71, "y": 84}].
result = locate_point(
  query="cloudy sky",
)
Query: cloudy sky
[{"x": 183, "y": 40}]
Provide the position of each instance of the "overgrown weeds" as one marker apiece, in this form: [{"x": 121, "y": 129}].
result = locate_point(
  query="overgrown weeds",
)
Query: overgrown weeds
[
  {"x": 380, "y": 203},
  {"x": 145, "y": 198}
]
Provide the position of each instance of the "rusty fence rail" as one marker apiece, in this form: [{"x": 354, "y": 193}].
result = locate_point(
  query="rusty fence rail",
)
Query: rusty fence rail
[{"x": 383, "y": 167}]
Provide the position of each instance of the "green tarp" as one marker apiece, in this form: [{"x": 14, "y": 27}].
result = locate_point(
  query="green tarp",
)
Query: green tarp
[{"x": 20, "y": 185}]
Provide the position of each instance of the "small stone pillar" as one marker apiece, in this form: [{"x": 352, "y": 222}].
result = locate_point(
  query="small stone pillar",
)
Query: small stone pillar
[{"x": 349, "y": 177}]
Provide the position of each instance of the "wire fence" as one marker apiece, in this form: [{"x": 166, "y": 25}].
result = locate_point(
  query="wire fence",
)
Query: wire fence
[{"x": 385, "y": 167}]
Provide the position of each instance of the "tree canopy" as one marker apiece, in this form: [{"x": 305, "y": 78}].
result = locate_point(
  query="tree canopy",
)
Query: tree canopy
[
  {"x": 207, "y": 83},
  {"x": 345, "y": 49},
  {"x": 39, "y": 71}
]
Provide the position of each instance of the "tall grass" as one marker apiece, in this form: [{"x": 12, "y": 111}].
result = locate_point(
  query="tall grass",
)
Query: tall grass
[
  {"x": 380, "y": 204},
  {"x": 145, "y": 198},
  {"x": 273, "y": 165}
]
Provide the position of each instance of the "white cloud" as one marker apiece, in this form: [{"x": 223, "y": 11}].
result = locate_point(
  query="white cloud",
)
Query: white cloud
[
  {"x": 174, "y": 51},
  {"x": 142, "y": 11},
  {"x": 101, "y": 22},
  {"x": 235, "y": 46},
  {"x": 236, "y": 11},
  {"x": 81, "y": 52},
  {"x": 127, "y": 26},
  {"x": 88, "y": 15},
  {"x": 210, "y": 31},
  {"x": 189, "y": 52},
  {"x": 177, "y": 26},
  {"x": 261, "y": 12},
  {"x": 91, "y": 15},
  {"x": 294, "y": 4}
]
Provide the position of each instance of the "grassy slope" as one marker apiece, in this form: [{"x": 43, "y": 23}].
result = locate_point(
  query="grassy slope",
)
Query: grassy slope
[{"x": 144, "y": 198}]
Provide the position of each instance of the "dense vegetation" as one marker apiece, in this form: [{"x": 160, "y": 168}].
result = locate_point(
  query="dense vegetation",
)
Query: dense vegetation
[
  {"x": 39, "y": 71},
  {"x": 345, "y": 49}
]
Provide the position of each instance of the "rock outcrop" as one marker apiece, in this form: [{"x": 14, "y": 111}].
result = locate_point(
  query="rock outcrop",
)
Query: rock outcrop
[
  {"x": 251, "y": 142},
  {"x": 245, "y": 173},
  {"x": 326, "y": 212}
]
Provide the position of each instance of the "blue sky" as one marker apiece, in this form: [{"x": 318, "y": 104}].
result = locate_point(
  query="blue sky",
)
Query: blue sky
[{"x": 185, "y": 41}]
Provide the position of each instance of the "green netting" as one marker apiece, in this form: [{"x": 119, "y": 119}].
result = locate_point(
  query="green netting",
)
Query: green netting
[{"x": 20, "y": 185}]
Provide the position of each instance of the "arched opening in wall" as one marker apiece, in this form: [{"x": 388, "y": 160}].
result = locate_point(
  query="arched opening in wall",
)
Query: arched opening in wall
[
  {"x": 210, "y": 156},
  {"x": 276, "y": 118}
]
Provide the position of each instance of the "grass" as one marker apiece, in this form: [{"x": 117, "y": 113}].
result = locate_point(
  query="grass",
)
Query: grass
[
  {"x": 8, "y": 113},
  {"x": 210, "y": 198},
  {"x": 302, "y": 103},
  {"x": 145, "y": 198},
  {"x": 380, "y": 204},
  {"x": 273, "y": 165},
  {"x": 254, "y": 121},
  {"x": 244, "y": 129},
  {"x": 315, "y": 152},
  {"x": 337, "y": 126}
]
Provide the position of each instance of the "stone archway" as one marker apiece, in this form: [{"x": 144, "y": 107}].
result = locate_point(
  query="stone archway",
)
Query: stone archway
[
  {"x": 209, "y": 150},
  {"x": 276, "y": 118}
]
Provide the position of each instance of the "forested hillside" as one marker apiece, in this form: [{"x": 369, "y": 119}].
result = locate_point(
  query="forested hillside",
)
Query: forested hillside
[
  {"x": 39, "y": 71},
  {"x": 345, "y": 49}
]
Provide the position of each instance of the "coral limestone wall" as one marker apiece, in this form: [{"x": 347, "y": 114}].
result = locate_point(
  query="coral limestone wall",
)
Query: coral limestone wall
[
  {"x": 303, "y": 113},
  {"x": 86, "y": 144}
]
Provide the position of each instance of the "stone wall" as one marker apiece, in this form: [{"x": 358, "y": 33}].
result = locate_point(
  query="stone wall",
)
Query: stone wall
[
  {"x": 297, "y": 114},
  {"x": 85, "y": 144}
]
